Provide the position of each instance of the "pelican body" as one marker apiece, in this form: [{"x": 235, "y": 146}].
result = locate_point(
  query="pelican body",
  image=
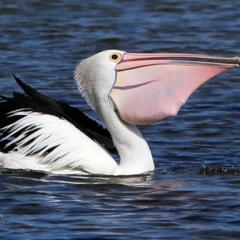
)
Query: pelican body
[{"x": 125, "y": 89}]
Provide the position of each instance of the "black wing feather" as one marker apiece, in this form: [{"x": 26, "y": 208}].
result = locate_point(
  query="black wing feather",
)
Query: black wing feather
[{"x": 35, "y": 101}]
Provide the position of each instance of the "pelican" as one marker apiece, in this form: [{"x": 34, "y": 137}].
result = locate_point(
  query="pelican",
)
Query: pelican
[{"x": 125, "y": 89}]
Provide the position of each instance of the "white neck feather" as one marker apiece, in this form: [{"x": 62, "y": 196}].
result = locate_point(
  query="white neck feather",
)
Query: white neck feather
[
  {"x": 95, "y": 77},
  {"x": 135, "y": 155}
]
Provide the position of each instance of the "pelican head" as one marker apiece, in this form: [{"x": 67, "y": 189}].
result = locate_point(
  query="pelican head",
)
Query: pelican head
[
  {"x": 145, "y": 88},
  {"x": 96, "y": 75}
]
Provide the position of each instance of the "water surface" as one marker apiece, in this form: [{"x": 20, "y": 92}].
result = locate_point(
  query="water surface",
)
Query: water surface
[{"x": 194, "y": 192}]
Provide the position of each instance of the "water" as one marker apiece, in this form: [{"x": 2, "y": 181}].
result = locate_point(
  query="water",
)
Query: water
[{"x": 194, "y": 192}]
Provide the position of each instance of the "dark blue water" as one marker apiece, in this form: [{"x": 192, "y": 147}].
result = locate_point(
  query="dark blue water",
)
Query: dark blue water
[{"x": 194, "y": 192}]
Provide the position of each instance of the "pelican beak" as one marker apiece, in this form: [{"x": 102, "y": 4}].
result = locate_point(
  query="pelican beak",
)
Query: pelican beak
[{"x": 151, "y": 87}]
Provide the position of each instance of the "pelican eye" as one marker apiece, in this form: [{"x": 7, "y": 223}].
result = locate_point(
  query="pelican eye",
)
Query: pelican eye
[{"x": 115, "y": 57}]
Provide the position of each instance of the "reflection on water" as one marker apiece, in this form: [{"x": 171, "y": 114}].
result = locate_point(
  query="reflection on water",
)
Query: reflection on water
[
  {"x": 194, "y": 192},
  {"x": 167, "y": 205}
]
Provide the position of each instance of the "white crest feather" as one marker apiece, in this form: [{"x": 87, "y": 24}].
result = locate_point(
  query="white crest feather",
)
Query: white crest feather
[{"x": 95, "y": 77}]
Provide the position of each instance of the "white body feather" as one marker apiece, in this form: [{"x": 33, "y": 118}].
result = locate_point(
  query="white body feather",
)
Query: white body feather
[{"x": 75, "y": 152}]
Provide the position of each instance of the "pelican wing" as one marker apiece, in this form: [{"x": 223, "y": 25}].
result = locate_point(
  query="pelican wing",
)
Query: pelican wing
[{"x": 37, "y": 102}]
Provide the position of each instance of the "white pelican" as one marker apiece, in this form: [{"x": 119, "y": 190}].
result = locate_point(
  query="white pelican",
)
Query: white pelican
[{"x": 125, "y": 89}]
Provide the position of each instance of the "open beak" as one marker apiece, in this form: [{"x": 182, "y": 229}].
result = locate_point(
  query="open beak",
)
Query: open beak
[{"x": 151, "y": 87}]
